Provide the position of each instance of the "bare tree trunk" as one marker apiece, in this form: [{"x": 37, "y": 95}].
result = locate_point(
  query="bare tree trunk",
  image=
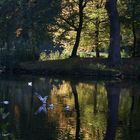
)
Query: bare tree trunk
[{"x": 115, "y": 38}]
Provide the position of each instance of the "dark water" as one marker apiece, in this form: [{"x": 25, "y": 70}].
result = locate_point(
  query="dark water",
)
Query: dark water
[{"x": 38, "y": 108}]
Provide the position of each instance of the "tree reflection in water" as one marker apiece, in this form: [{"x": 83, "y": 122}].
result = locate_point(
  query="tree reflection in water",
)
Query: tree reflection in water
[
  {"x": 113, "y": 95},
  {"x": 77, "y": 108},
  {"x": 95, "y": 99}
]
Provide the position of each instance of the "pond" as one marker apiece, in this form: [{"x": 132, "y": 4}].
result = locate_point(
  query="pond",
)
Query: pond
[{"x": 42, "y": 108}]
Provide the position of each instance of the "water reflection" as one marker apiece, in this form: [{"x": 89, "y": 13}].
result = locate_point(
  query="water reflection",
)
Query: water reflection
[
  {"x": 77, "y": 108},
  {"x": 53, "y": 109},
  {"x": 113, "y": 96}
]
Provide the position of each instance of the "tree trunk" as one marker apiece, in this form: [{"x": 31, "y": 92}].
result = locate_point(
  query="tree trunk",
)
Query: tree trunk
[
  {"x": 76, "y": 45},
  {"x": 79, "y": 29},
  {"x": 134, "y": 32},
  {"x": 134, "y": 40},
  {"x": 114, "y": 49},
  {"x": 97, "y": 23}
]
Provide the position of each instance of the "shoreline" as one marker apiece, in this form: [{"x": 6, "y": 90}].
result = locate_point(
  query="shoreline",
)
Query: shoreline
[{"x": 82, "y": 67}]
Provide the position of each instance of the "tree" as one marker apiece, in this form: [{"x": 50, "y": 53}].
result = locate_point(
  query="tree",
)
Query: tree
[
  {"x": 94, "y": 36},
  {"x": 115, "y": 38},
  {"x": 24, "y": 26},
  {"x": 82, "y": 5},
  {"x": 95, "y": 30},
  {"x": 129, "y": 17},
  {"x": 71, "y": 20},
  {"x": 133, "y": 10},
  {"x": 99, "y": 6}
]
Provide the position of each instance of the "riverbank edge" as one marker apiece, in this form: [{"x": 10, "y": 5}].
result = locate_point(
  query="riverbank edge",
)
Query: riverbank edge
[{"x": 83, "y": 67}]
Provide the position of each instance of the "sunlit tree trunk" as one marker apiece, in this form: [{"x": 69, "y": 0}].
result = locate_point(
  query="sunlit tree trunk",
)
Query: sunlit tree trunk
[
  {"x": 115, "y": 38},
  {"x": 97, "y": 26}
]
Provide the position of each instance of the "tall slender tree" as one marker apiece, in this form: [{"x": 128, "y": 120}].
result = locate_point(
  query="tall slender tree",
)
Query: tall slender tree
[
  {"x": 81, "y": 5},
  {"x": 98, "y": 5},
  {"x": 72, "y": 19}
]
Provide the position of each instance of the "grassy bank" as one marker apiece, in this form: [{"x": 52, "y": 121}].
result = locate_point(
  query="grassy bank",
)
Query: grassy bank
[{"x": 130, "y": 68}]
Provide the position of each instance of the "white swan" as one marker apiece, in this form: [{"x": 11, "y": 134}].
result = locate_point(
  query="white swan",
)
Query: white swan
[
  {"x": 30, "y": 84},
  {"x": 4, "y": 102},
  {"x": 51, "y": 106},
  {"x": 67, "y": 108}
]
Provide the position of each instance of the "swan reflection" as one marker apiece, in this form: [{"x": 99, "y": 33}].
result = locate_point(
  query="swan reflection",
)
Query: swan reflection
[
  {"x": 44, "y": 107},
  {"x": 43, "y": 100},
  {"x": 41, "y": 109},
  {"x": 5, "y": 115}
]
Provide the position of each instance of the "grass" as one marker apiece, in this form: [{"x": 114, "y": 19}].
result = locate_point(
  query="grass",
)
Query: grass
[{"x": 130, "y": 68}]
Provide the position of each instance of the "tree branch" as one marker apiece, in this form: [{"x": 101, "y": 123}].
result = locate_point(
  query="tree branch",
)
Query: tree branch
[{"x": 69, "y": 23}]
